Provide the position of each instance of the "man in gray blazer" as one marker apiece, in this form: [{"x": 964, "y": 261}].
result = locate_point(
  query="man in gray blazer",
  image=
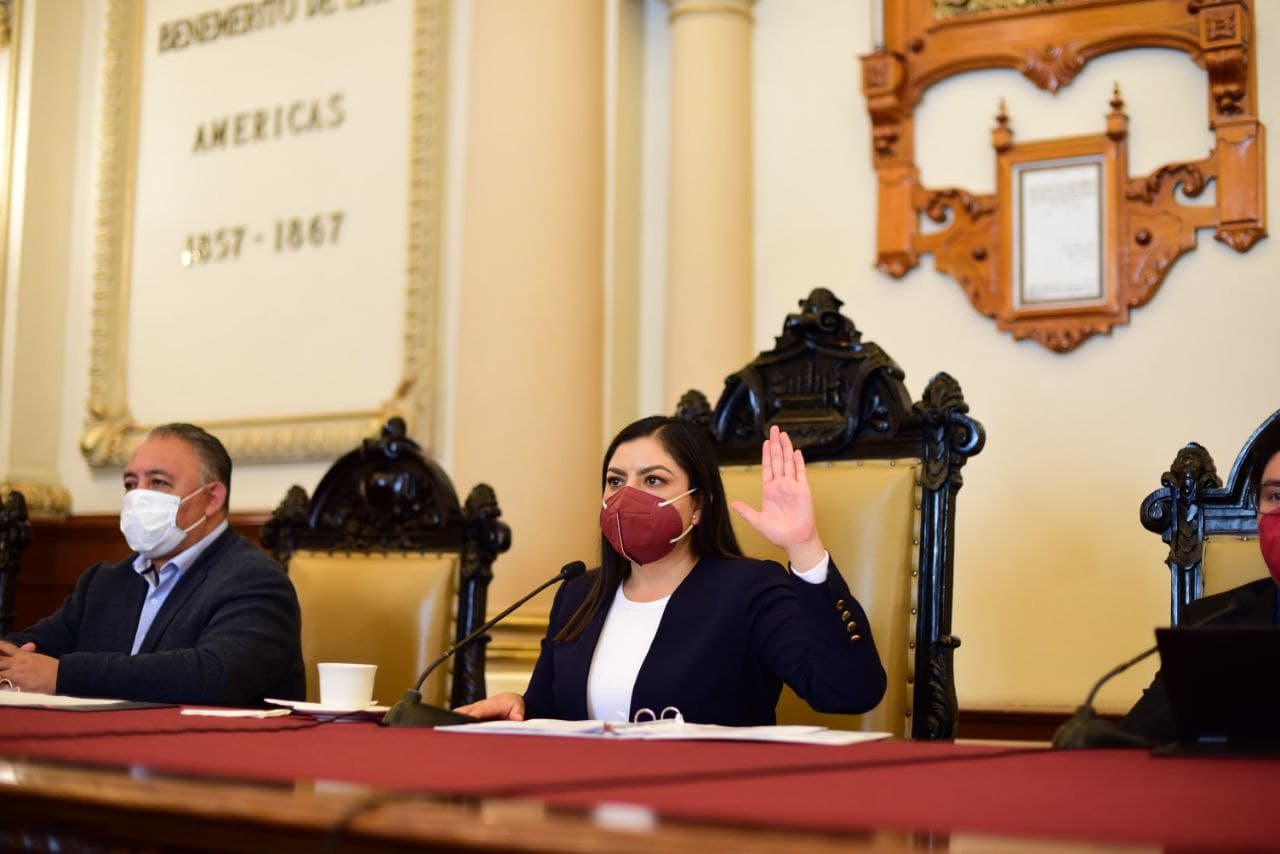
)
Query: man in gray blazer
[{"x": 197, "y": 614}]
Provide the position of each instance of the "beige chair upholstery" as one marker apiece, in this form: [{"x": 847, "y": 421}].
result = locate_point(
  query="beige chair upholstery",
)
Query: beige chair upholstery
[
  {"x": 390, "y": 568},
  {"x": 392, "y": 610},
  {"x": 869, "y": 517},
  {"x": 1229, "y": 561}
]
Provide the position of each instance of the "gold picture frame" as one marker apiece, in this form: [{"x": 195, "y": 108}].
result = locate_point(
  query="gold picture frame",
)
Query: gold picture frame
[{"x": 111, "y": 430}]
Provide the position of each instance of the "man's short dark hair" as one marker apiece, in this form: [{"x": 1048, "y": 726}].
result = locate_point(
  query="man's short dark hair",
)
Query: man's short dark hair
[{"x": 215, "y": 462}]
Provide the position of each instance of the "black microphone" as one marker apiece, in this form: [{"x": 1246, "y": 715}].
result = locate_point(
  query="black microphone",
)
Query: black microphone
[
  {"x": 411, "y": 711},
  {"x": 1085, "y": 729}
]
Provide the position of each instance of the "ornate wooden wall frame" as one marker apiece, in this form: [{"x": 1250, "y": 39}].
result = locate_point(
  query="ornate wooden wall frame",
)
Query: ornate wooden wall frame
[
  {"x": 111, "y": 430},
  {"x": 1050, "y": 41}
]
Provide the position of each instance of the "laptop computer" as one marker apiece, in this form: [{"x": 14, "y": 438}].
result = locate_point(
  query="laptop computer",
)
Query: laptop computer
[{"x": 1223, "y": 684}]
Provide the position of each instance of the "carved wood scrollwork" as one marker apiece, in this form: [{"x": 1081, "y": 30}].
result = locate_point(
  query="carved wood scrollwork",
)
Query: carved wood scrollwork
[
  {"x": 1049, "y": 43},
  {"x": 15, "y": 537}
]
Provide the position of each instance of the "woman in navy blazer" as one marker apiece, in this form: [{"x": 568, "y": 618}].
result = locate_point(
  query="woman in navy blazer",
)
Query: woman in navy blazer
[{"x": 685, "y": 621}]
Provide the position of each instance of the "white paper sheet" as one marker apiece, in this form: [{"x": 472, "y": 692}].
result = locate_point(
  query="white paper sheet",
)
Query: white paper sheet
[
  {"x": 669, "y": 730},
  {"x": 236, "y": 713},
  {"x": 32, "y": 700}
]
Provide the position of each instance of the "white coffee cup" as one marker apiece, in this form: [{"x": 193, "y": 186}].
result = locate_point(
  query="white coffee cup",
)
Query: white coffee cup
[{"x": 346, "y": 686}]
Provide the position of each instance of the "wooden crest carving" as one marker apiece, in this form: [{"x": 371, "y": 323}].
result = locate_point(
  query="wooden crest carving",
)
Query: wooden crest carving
[{"x": 1144, "y": 226}]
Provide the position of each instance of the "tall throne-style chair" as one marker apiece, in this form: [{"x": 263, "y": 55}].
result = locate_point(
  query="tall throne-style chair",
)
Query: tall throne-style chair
[
  {"x": 390, "y": 568},
  {"x": 1211, "y": 528},
  {"x": 15, "y": 537},
  {"x": 884, "y": 471}
]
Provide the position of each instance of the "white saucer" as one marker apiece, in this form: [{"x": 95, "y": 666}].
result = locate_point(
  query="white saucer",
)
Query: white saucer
[{"x": 319, "y": 710}]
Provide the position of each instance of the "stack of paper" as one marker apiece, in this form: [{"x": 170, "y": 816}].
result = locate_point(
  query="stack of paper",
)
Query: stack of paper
[{"x": 668, "y": 730}]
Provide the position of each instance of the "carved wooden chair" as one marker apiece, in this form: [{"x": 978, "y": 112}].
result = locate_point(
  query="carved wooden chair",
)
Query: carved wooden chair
[
  {"x": 1211, "y": 528},
  {"x": 884, "y": 471},
  {"x": 15, "y": 537},
  {"x": 389, "y": 568}
]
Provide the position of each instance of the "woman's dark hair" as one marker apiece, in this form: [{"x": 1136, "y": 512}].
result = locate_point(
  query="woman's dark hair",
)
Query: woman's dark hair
[
  {"x": 1262, "y": 454},
  {"x": 690, "y": 447}
]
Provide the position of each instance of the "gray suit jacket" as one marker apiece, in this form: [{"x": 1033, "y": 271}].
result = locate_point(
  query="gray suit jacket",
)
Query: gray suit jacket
[{"x": 228, "y": 634}]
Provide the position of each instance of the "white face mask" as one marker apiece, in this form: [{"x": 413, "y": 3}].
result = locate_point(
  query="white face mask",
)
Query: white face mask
[{"x": 149, "y": 521}]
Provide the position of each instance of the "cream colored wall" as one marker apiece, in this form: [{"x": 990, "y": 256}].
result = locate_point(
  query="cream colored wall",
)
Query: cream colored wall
[
  {"x": 1055, "y": 579},
  {"x": 655, "y": 133},
  {"x": 255, "y": 487},
  {"x": 32, "y": 299},
  {"x": 521, "y": 325},
  {"x": 528, "y": 407}
]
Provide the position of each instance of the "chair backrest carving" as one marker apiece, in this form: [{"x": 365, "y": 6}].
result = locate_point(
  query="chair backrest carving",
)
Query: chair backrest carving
[
  {"x": 15, "y": 537},
  {"x": 1194, "y": 512},
  {"x": 387, "y": 496},
  {"x": 841, "y": 398}
]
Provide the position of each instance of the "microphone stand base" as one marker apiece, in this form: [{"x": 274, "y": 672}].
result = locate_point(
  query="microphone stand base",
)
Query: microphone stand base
[
  {"x": 412, "y": 712},
  {"x": 1085, "y": 730}
]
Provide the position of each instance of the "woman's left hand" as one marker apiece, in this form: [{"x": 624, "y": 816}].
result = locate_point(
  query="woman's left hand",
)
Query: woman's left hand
[{"x": 785, "y": 517}]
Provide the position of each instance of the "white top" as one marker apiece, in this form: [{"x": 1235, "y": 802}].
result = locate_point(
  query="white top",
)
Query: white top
[{"x": 628, "y": 632}]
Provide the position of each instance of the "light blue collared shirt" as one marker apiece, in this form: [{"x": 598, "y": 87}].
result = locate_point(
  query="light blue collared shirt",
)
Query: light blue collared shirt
[{"x": 162, "y": 581}]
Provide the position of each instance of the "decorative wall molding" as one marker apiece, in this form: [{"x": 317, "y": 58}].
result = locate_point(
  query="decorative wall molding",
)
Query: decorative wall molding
[
  {"x": 1049, "y": 43},
  {"x": 741, "y": 8},
  {"x": 8, "y": 17},
  {"x": 43, "y": 500},
  {"x": 111, "y": 431}
]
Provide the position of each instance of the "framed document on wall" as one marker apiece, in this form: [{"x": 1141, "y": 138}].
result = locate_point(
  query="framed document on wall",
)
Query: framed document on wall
[
  {"x": 1060, "y": 216},
  {"x": 1059, "y": 232},
  {"x": 268, "y": 223}
]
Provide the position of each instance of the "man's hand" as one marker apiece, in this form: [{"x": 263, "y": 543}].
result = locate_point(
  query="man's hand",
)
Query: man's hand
[{"x": 28, "y": 669}]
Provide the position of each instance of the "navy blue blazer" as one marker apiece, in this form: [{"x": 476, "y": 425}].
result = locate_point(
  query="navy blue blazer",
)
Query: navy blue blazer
[
  {"x": 732, "y": 632},
  {"x": 228, "y": 634}
]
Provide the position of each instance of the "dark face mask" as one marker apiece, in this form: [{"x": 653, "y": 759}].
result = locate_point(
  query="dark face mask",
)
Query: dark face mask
[
  {"x": 641, "y": 527},
  {"x": 1269, "y": 539}
]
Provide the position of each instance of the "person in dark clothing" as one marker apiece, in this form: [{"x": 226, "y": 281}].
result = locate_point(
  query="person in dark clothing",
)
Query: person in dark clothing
[
  {"x": 676, "y": 617},
  {"x": 197, "y": 614},
  {"x": 1150, "y": 716}
]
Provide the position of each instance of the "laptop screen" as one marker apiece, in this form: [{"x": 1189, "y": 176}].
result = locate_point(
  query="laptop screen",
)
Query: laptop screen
[{"x": 1223, "y": 683}]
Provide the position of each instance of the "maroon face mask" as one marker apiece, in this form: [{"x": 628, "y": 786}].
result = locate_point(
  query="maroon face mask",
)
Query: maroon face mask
[
  {"x": 641, "y": 527},
  {"x": 1269, "y": 539}
]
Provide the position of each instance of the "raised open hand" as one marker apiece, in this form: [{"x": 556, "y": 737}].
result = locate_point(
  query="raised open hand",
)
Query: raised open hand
[{"x": 785, "y": 517}]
